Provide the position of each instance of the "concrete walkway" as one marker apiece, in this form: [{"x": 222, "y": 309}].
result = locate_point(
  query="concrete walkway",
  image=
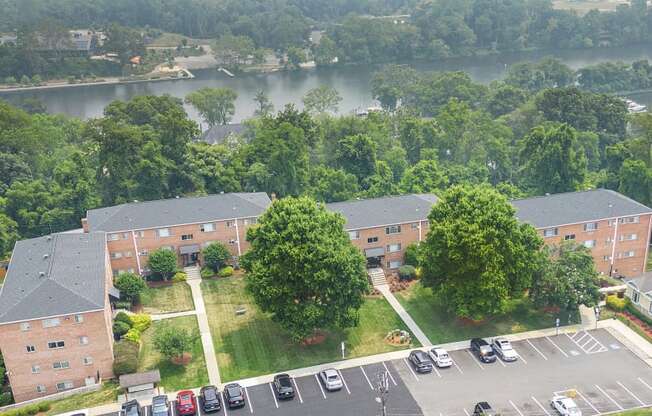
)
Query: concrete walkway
[
  {"x": 587, "y": 316},
  {"x": 205, "y": 332},
  {"x": 407, "y": 319},
  {"x": 161, "y": 316}
]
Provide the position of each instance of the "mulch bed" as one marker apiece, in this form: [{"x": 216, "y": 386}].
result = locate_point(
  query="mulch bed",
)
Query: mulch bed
[
  {"x": 318, "y": 338},
  {"x": 183, "y": 360},
  {"x": 638, "y": 322}
]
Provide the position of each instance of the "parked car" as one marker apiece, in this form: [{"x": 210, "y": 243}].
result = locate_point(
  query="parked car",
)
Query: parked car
[
  {"x": 283, "y": 386},
  {"x": 209, "y": 399},
  {"x": 440, "y": 357},
  {"x": 131, "y": 408},
  {"x": 483, "y": 350},
  {"x": 160, "y": 406},
  {"x": 420, "y": 361},
  {"x": 504, "y": 349},
  {"x": 234, "y": 395},
  {"x": 186, "y": 403},
  {"x": 565, "y": 406},
  {"x": 331, "y": 379},
  {"x": 483, "y": 409}
]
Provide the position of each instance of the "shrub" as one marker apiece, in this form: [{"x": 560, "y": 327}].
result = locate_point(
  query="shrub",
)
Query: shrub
[
  {"x": 133, "y": 335},
  {"x": 36, "y": 80},
  {"x": 407, "y": 272},
  {"x": 616, "y": 303},
  {"x": 123, "y": 304},
  {"x": 25, "y": 80},
  {"x": 141, "y": 322},
  {"x": 126, "y": 357},
  {"x": 634, "y": 311},
  {"x": 179, "y": 277},
  {"x": 124, "y": 317},
  {"x": 215, "y": 255},
  {"x": 120, "y": 328},
  {"x": 29, "y": 410},
  {"x": 130, "y": 286},
  {"x": 10, "y": 80},
  {"x": 6, "y": 398},
  {"x": 226, "y": 272},
  {"x": 411, "y": 256},
  {"x": 172, "y": 342},
  {"x": 207, "y": 273},
  {"x": 163, "y": 262}
]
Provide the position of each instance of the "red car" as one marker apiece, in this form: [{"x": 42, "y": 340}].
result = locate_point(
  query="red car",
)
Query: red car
[{"x": 186, "y": 403}]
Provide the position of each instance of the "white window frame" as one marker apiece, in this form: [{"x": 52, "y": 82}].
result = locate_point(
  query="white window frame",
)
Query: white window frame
[
  {"x": 589, "y": 243},
  {"x": 187, "y": 237},
  {"x": 209, "y": 227},
  {"x": 79, "y": 318},
  {"x": 590, "y": 226},
  {"x": 143, "y": 252},
  {"x": 393, "y": 229},
  {"x": 606, "y": 258},
  {"x": 250, "y": 221},
  {"x": 230, "y": 224},
  {"x": 51, "y": 322},
  {"x": 570, "y": 237},
  {"x": 115, "y": 255},
  {"x": 371, "y": 240},
  {"x": 629, "y": 237},
  {"x": 62, "y": 365},
  {"x": 25, "y": 326},
  {"x": 628, "y": 254},
  {"x": 139, "y": 234},
  {"x": 163, "y": 232},
  {"x": 113, "y": 237},
  {"x": 547, "y": 232},
  {"x": 636, "y": 296},
  {"x": 354, "y": 235},
  {"x": 30, "y": 349},
  {"x": 67, "y": 385},
  {"x": 56, "y": 344},
  {"x": 393, "y": 248},
  {"x": 36, "y": 369},
  {"x": 83, "y": 340},
  {"x": 40, "y": 388},
  {"x": 87, "y": 360},
  {"x": 629, "y": 220},
  {"x": 394, "y": 264}
]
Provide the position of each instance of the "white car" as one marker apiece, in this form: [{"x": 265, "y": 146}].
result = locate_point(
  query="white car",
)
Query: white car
[
  {"x": 331, "y": 379},
  {"x": 440, "y": 357},
  {"x": 504, "y": 349},
  {"x": 565, "y": 406}
]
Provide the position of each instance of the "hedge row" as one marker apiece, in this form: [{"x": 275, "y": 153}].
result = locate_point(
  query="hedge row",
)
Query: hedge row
[{"x": 28, "y": 410}]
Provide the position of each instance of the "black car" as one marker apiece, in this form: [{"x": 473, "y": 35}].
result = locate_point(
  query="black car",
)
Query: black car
[
  {"x": 234, "y": 395},
  {"x": 483, "y": 409},
  {"x": 209, "y": 399},
  {"x": 483, "y": 350},
  {"x": 160, "y": 406},
  {"x": 131, "y": 408},
  {"x": 421, "y": 361},
  {"x": 283, "y": 386}
]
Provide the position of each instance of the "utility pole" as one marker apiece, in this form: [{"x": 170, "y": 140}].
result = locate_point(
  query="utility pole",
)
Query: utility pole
[{"x": 383, "y": 389}]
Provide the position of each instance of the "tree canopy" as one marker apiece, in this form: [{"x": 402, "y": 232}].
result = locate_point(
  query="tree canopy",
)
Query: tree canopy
[{"x": 216, "y": 105}]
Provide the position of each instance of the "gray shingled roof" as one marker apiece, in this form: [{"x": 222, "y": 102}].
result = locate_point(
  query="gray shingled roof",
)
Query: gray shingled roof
[
  {"x": 166, "y": 212},
  {"x": 366, "y": 213},
  {"x": 643, "y": 283},
  {"x": 218, "y": 133},
  {"x": 576, "y": 207},
  {"x": 137, "y": 379},
  {"x": 54, "y": 275}
]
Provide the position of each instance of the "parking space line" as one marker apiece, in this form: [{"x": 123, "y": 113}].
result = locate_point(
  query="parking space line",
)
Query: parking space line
[
  {"x": 541, "y": 406},
  {"x": 367, "y": 378},
  {"x": 537, "y": 350},
  {"x": 251, "y": 408},
  {"x": 630, "y": 393},
  {"x": 297, "y": 389},
  {"x": 500, "y": 361},
  {"x": 577, "y": 341},
  {"x": 521, "y": 358},
  {"x": 644, "y": 383},
  {"x": 587, "y": 401},
  {"x": 456, "y": 366},
  {"x": 515, "y": 408},
  {"x": 557, "y": 346},
  {"x": 467, "y": 412},
  {"x": 273, "y": 394},
  {"x": 411, "y": 370},
  {"x": 320, "y": 387},
  {"x": 609, "y": 397},
  {"x": 146, "y": 410},
  {"x": 344, "y": 382},
  {"x": 391, "y": 377},
  {"x": 434, "y": 367},
  {"x": 224, "y": 404},
  {"x": 475, "y": 360}
]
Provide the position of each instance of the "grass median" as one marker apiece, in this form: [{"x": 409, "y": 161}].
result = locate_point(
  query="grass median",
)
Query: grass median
[
  {"x": 167, "y": 298},
  {"x": 252, "y": 344}
]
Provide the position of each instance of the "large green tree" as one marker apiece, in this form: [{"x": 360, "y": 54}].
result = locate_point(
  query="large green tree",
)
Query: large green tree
[
  {"x": 215, "y": 105},
  {"x": 321, "y": 100},
  {"x": 303, "y": 269},
  {"x": 477, "y": 255}
]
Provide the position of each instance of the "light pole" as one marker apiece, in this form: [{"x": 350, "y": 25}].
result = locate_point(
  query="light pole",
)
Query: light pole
[
  {"x": 597, "y": 315},
  {"x": 383, "y": 390}
]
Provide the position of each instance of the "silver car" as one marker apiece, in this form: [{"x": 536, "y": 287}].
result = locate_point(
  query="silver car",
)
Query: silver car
[{"x": 331, "y": 379}]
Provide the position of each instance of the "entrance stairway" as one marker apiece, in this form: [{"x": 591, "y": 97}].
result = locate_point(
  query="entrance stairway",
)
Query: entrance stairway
[
  {"x": 377, "y": 276},
  {"x": 192, "y": 272}
]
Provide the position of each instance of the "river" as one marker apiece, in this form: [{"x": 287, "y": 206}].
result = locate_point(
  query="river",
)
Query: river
[{"x": 352, "y": 82}]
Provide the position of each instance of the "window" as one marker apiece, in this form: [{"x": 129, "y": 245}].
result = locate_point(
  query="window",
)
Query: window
[
  {"x": 628, "y": 220},
  {"x": 30, "y": 348},
  {"x": 372, "y": 240},
  {"x": 415, "y": 225},
  {"x": 140, "y": 234},
  {"x": 116, "y": 272},
  {"x": 60, "y": 365},
  {"x": 40, "y": 388},
  {"x": 395, "y": 264},
  {"x": 87, "y": 360},
  {"x": 569, "y": 237},
  {"x": 56, "y": 344},
  {"x": 171, "y": 248},
  {"x": 250, "y": 221},
  {"x": 25, "y": 326},
  {"x": 393, "y": 229},
  {"x": 230, "y": 224},
  {"x": 128, "y": 254},
  {"x": 589, "y": 243},
  {"x": 64, "y": 385},
  {"x": 591, "y": 226},
  {"x": 551, "y": 232},
  {"x": 79, "y": 319},
  {"x": 393, "y": 248},
  {"x": 186, "y": 237},
  {"x": 143, "y": 252},
  {"x": 36, "y": 368},
  {"x": 232, "y": 242},
  {"x": 116, "y": 255},
  {"x": 83, "y": 340},
  {"x": 628, "y": 237},
  {"x": 606, "y": 258},
  {"x": 627, "y": 254},
  {"x": 354, "y": 235},
  {"x": 112, "y": 237},
  {"x": 163, "y": 232},
  {"x": 635, "y": 296},
  {"x": 207, "y": 228},
  {"x": 49, "y": 323}
]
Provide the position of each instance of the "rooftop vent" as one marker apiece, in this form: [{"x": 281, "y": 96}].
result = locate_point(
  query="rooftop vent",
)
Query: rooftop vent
[
  {"x": 176, "y": 197},
  {"x": 48, "y": 238},
  {"x": 41, "y": 274},
  {"x": 45, "y": 256}
]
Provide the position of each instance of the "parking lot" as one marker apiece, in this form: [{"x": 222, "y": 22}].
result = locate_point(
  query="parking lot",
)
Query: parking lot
[{"x": 594, "y": 367}]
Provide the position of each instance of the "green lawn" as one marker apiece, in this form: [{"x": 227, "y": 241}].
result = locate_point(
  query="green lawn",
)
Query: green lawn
[
  {"x": 107, "y": 394},
  {"x": 175, "y": 297},
  {"x": 441, "y": 327},
  {"x": 637, "y": 412},
  {"x": 174, "y": 377},
  {"x": 251, "y": 344}
]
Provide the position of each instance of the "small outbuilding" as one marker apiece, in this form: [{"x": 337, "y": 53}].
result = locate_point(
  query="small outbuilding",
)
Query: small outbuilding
[{"x": 140, "y": 382}]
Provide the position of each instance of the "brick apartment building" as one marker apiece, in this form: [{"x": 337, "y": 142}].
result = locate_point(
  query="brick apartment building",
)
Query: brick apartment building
[
  {"x": 184, "y": 225},
  {"x": 55, "y": 315},
  {"x": 616, "y": 228},
  {"x": 383, "y": 227}
]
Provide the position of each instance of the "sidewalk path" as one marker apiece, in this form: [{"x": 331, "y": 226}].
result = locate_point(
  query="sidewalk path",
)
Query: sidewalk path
[
  {"x": 205, "y": 332},
  {"x": 161, "y": 316},
  {"x": 588, "y": 317},
  {"x": 414, "y": 328}
]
